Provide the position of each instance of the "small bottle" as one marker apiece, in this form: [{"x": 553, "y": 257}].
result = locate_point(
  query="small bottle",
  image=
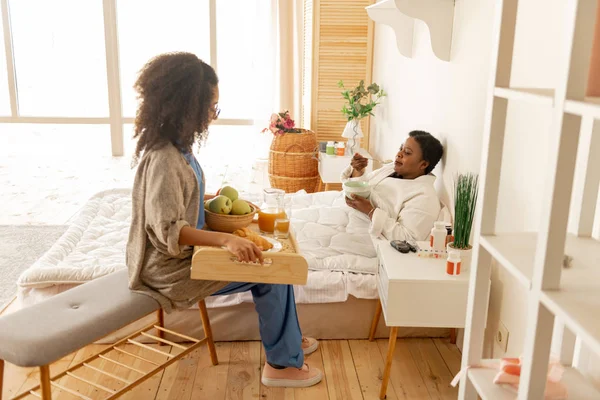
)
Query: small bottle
[
  {"x": 450, "y": 236},
  {"x": 437, "y": 240},
  {"x": 453, "y": 263},
  {"x": 330, "y": 149},
  {"x": 340, "y": 149}
]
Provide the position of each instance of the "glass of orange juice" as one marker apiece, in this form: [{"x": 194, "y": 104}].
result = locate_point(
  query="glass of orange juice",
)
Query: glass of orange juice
[
  {"x": 282, "y": 223},
  {"x": 267, "y": 218}
]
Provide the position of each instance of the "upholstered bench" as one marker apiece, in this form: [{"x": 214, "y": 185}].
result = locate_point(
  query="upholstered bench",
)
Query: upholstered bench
[{"x": 41, "y": 334}]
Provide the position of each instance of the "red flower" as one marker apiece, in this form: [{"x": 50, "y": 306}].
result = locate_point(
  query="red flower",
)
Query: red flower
[
  {"x": 289, "y": 124},
  {"x": 281, "y": 123}
]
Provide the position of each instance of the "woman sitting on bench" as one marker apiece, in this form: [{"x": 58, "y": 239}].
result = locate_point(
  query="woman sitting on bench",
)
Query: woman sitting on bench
[{"x": 178, "y": 99}]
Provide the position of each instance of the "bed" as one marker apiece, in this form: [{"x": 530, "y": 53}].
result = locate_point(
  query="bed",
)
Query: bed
[{"x": 341, "y": 287}]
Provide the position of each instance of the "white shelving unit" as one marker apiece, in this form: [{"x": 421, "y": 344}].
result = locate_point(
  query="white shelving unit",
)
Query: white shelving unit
[
  {"x": 482, "y": 379},
  {"x": 572, "y": 295},
  {"x": 438, "y": 15}
]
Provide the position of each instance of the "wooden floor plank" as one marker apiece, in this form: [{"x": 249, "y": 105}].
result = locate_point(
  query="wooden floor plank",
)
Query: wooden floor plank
[
  {"x": 369, "y": 365},
  {"x": 148, "y": 389},
  {"x": 342, "y": 382},
  {"x": 14, "y": 379},
  {"x": 405, "y": 377},
  {"x": 433, "y": 369},
  {"x": 177, "y": 381},
  {"x": 211, "y": 381},
  {"x": 422, "y": 369},
  {"x": 450, "y": 353},
  {"x": 243, "y": 377},
  {"x": 76, "y": 385},
  {"x": 19, "y": 379}
]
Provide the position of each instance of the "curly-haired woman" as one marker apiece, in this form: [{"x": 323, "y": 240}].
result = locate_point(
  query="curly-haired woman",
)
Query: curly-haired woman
[{"x": 178, "y": 99}]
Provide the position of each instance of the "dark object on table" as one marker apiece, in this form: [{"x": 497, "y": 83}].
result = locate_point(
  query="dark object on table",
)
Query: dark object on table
[{"x": 403, "y": 246}]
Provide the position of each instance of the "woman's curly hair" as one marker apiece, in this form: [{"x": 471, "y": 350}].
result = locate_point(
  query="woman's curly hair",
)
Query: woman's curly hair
[{"x": 175, "y": 91}]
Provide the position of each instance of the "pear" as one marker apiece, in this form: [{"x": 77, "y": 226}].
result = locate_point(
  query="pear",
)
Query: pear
[
  {"x": 240, "y": 207},
  {"x": 207, "y": 204}
]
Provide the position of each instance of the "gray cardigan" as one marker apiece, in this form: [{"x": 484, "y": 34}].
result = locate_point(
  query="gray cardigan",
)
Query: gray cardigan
[{"x": 166, "y": 197}]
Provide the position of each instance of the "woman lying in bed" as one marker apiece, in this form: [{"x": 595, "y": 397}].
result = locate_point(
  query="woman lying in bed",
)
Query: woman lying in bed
[{"x": 403, "y": 204}]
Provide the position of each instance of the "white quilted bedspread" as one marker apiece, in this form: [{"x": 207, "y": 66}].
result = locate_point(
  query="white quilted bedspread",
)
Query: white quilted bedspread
[
  {"x": 333, "y": 239},
  {"x": 331, "y": 235}
]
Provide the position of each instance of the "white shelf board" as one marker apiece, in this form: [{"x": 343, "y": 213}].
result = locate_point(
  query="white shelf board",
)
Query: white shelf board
[
  {"x": 530, "y": 95},
  {"x": 385, "y": 12},
  {"x": 515, "y": 252},
  {"x": 578, "y": 387},
  {"x": 577, "y": 302},
  {"x": 438, "y": 16},
  {"x": 589, "y": 107}
]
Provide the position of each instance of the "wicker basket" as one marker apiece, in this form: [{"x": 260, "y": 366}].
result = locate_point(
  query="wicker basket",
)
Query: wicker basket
[
  {"x": 293, "y": 163},
  {"x": 229, "y": 223}
]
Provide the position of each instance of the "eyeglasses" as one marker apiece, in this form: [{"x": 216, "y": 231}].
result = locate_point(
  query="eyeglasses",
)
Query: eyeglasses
[{"x": 216, "y": 110}]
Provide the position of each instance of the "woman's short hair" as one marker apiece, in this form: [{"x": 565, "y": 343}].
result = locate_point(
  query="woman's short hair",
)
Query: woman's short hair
[{"x": 431, "y": 148}]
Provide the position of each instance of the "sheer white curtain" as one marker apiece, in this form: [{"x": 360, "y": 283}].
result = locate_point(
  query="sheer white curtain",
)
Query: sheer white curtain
[
  {"x": 276, "y": 63},
  {"x": 259, "y": 65},
  {"x": 289, "y": 25},
  {"x": 279, "y": 71}
]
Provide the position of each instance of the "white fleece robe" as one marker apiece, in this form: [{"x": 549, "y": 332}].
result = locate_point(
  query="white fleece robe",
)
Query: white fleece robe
[{"x": 405, "y": 208}]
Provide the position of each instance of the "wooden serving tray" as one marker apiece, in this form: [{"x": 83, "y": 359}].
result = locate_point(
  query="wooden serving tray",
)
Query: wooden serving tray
[{"x": 286, "y": 266}]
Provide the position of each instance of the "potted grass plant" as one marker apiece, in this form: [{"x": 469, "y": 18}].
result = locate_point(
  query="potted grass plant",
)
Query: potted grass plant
[{"x": 466, "y": 188}]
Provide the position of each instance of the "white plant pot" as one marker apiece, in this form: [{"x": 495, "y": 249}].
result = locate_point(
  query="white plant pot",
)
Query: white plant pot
[
  {"x": 353, "y": 133},
  {"x": 465, "y": 256}
]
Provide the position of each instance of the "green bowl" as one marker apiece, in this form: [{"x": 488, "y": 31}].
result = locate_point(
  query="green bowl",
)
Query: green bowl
[{"x": 358, "y": 188}]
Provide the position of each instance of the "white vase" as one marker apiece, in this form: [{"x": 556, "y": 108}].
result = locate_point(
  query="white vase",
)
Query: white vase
[
  {"x": 353, "y": 133},
  {"x": 465, "y": 256}
]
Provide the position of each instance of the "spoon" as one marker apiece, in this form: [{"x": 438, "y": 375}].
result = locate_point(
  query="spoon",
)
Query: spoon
[{"x": 388, "y": 161}]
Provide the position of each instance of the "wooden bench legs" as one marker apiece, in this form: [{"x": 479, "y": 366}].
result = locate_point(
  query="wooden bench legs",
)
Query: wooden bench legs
[
  {"x": 160, "y": 318},
  {"x": 45, "y": 385},
  {"x": 44, "y": 389},
  {"x": 160, "y": 321},
  {"x": 208, "y": 332}
]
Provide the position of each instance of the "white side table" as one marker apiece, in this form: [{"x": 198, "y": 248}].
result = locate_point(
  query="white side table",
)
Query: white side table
[
  {"x": 415, "y": 291},
  {"x": 331, "y": 167}
]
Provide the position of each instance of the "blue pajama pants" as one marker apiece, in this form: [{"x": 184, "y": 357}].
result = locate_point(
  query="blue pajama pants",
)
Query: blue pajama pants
[{"x": 277, "y": 320}]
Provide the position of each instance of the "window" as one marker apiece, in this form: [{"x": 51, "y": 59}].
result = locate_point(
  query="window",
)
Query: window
[
  {"x": 243, "y": 59},
  {"x": 60, "y": 50},
  {"x": 4, "y": 98},
  {"x": 65, "y": 143},
  {"x": 148, "y": 28},
  {"x": 59, "y": 57}
]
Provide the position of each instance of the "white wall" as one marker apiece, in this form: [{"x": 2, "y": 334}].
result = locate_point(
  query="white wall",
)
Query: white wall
[
  {"x": 449, "y": 100},
  {"x": 446, "y": 99}
]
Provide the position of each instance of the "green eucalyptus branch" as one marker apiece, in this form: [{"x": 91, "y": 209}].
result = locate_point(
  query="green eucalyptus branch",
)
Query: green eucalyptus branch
[{"x": 361, "y": 101}]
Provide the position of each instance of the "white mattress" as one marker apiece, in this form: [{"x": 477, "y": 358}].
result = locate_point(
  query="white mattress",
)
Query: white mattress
[{"x": 334, "y": 241}]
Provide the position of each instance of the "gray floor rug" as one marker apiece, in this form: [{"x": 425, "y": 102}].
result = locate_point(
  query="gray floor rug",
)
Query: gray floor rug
[{"x": 20, "y": 247}]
